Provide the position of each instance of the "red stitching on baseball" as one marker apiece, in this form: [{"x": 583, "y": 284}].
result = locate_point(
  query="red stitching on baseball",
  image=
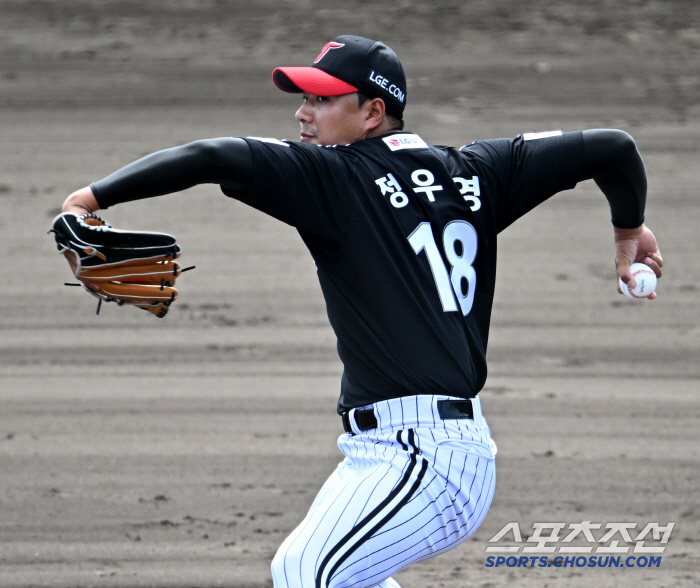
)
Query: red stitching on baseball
[{"x": 641, "y": 271}]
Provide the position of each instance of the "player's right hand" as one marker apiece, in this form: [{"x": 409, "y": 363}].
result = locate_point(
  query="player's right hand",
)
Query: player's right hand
[{"x": 636, "y": 246}]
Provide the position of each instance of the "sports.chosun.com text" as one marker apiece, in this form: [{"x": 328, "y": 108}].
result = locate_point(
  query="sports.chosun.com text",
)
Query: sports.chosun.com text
[{"x": 593, "y": 561}]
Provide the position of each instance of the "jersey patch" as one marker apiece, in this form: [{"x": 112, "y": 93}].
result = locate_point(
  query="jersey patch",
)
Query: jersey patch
[
  {"x": 404, "y": 141},
  {"x": 269, "y": 140},
  {"x": 542, "y": 135}
]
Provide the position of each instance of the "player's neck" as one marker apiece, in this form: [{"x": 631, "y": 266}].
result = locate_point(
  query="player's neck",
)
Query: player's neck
[{"x": 382, "y": 129}]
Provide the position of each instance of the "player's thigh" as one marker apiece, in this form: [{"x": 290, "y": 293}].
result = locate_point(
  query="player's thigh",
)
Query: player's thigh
[
  {"x": 351, "y": 492},
  {"x": 386, "y": 506},
  {"x": 440, "y": 514}
]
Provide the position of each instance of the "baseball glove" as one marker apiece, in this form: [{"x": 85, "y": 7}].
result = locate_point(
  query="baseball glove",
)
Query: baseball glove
[{"x": 126, "y": 267}]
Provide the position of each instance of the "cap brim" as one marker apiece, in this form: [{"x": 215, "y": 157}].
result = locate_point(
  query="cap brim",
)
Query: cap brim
[{"x": 310, "y": 79}]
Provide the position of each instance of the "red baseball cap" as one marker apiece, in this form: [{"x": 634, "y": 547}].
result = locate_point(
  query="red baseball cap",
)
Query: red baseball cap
[{"x": 350, "y": 64}]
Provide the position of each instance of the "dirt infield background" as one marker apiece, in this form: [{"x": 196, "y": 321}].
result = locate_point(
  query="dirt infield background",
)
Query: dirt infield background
[{"x": 180, "y": 452}]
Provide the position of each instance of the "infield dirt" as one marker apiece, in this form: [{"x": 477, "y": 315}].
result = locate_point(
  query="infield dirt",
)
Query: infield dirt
[{"x": 180, "y": 452}]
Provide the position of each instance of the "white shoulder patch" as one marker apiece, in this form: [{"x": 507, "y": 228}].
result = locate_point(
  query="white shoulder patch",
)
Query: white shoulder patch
[
  {"x": 542, "y": 135},
  {"x": 404, "y": 141},
  {"x": 269, "y": 140}
]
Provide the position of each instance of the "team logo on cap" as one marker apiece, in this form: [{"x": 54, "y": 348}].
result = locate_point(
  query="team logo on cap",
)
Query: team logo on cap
[{"x": 327, "y": 48}]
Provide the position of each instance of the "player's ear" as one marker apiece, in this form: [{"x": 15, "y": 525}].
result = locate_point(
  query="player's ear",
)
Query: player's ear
[{"x": 375, "y": 113}]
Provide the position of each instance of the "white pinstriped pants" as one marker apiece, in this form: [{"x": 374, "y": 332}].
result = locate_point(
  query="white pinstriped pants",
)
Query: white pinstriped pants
[{"x": 414, "y": 487}]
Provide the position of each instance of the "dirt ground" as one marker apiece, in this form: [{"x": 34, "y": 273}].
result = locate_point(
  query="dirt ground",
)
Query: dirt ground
[{"x": 180, "y": 452}]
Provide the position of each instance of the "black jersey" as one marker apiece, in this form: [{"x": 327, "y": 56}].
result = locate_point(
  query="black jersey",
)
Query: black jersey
[{"x": 404, "y": 238}]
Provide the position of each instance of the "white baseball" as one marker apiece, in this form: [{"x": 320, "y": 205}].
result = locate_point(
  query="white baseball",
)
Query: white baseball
[{"x": 646, "y": 282}]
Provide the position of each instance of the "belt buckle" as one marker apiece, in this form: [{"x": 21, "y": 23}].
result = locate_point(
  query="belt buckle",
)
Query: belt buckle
[
  {"x": 455, "y": 409},
  {"x": 364, "y": 420},
  {"x": 346, "y": 422}
]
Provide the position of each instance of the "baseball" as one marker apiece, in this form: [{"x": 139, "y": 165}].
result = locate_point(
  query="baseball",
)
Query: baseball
[{"x": 646, "y": 282}]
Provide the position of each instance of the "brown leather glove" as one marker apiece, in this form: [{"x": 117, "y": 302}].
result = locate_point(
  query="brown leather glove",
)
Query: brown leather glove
[{"x": 126, "y": 267}]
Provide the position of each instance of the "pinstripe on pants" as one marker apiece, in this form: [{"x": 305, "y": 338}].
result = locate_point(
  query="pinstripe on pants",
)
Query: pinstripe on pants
[{"x": 414, "y": 487}]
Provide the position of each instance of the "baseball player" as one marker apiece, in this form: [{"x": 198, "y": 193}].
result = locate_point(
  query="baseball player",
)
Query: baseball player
[{"x": 404, "y": 235}]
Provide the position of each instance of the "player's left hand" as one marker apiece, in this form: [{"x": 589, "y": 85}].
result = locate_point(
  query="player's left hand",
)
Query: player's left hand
[
  {"x": 81, "y": 202},
  {"x": 636, "y": 246}
]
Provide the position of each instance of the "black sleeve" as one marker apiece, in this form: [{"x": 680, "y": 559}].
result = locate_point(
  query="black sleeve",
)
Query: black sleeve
[
  {"x": 612, "y": 160},
  {"x": 531, "y": 168},
  {"x": 306, "y": 186},
  {"x": 225, "y": 161}
]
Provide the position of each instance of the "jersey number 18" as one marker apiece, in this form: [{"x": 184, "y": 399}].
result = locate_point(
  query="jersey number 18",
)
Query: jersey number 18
[{"x": 461, "y": 281}]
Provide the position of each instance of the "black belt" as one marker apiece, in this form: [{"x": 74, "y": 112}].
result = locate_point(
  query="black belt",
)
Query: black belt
[{"x": 447, "y": 409}]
